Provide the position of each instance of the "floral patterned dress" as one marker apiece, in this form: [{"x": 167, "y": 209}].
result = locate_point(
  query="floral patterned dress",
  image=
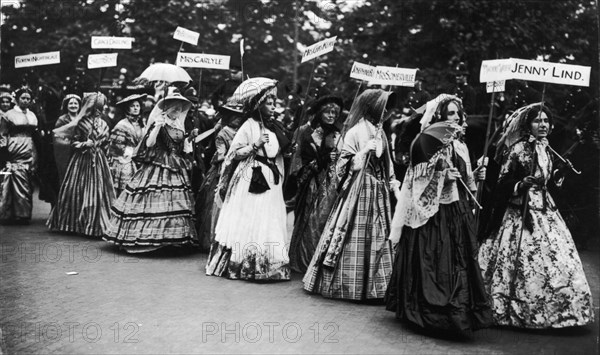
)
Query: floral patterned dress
[{"x": 535, "y": 278}]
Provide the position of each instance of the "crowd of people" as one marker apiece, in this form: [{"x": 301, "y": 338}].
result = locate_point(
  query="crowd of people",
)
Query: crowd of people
[{"x": 385, "y": 206}]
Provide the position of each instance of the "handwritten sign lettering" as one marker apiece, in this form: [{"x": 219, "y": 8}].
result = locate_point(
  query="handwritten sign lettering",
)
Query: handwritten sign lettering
[
  {"x": 495, "y": 86},
  {"x": 185, "y": 35},
  {"x": 394, "y": 76},
  {"x": 362, "y": 71},
  {"x": 318, "y": 49},
  {"x": 111, "y": 42},
  {"x": 495, "y": 70},
  {"x": 32, "y": 60},
  {"x": 102, "y": 60},
  {"x": 201, "y": 60}
]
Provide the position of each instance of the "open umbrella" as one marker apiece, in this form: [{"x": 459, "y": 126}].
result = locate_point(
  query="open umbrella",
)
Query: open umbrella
[
  {"x": 431, "y": 140},
  {"x": 252, "y": 90},
  {"x": 165, "y": 72}
]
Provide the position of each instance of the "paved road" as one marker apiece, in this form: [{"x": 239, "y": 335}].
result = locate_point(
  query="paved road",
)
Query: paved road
[{"x": 163, "y": 303}]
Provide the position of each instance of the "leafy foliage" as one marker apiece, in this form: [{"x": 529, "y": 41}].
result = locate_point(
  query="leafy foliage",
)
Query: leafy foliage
[{"x": 431, "y": 35}]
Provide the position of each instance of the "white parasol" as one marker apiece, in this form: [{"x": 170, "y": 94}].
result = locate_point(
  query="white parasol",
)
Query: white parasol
[{"x": 165, "y": 72}]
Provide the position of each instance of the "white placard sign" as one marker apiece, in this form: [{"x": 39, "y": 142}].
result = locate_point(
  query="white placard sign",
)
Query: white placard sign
[
  {"x": 33, "y": 60},
  {"x": 547, "y": 72},
  {"x": 534, "y": 70},
  {"x": 99, "y": 42},
  {"x": 201, "y": 60},
  {"x": 394, "y": 76},
  {"x": 495, "y": 86},
  {"x": 362, "y": 71},
  {"x": 318, "y": 49},
  {"x": 495, "y": 70},
  {"x": 103, "y": 60},
  {"x": 185, "y": 35}
]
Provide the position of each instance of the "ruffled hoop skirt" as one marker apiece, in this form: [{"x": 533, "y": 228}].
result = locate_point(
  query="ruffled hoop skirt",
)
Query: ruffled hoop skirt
[
  {"x": 251, "y": 230},
  {"x": 155, "y": 210}
]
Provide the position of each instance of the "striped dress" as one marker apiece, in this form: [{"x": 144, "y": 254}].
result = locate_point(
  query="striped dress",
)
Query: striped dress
[
  {"x": 87, "y": 192},
  {"x": 156, "y": 208}
]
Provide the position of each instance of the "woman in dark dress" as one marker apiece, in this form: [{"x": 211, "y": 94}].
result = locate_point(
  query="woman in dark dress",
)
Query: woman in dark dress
[
  {"x": 313, "y": 166},
  {"x": 208, "y": 203},
  {"x": 437, "y": 283}
]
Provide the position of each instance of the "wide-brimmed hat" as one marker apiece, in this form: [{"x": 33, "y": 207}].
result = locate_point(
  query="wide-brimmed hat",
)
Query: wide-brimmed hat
[
  {"x": 231, "y": 106},
  {"x": 131, "y": 98},
  {"x": 191, "y": 95},
  {"x": 237, "y": 108},
  {"x": 252, "y": 92},
  {"x": 173, "y": 96},
  {"x": 322, "y": 101}
]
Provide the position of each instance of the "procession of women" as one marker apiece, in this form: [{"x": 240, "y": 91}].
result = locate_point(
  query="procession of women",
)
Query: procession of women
[{"x": 415, "y": 236}]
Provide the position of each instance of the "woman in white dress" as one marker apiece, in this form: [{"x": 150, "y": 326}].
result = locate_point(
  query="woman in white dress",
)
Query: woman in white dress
[{"x": 251, "y": 231}]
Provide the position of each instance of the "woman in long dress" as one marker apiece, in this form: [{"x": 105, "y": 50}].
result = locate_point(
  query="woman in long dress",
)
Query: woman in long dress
[
  {"x": 250, "y": 234},
  {"x": 313, "y": 165},
  {"x": 86, "y": 193},
  {"x": 62, "y": 138},
  {"x": 437, "y": 282},
  {"x": 124, "y": 138},
  {"x": 530, "y": 265},
  {"x": 18, "y": 159},
  {"x": 353, "y": 259},
  {"x": 208, "y": 204},
  {"x": 156, "y": 209}
]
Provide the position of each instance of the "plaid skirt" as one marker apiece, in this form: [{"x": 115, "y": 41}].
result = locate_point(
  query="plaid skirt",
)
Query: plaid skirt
[
  {"x": 155, "y": 209},
  {"x": 364, "y": 266}
]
